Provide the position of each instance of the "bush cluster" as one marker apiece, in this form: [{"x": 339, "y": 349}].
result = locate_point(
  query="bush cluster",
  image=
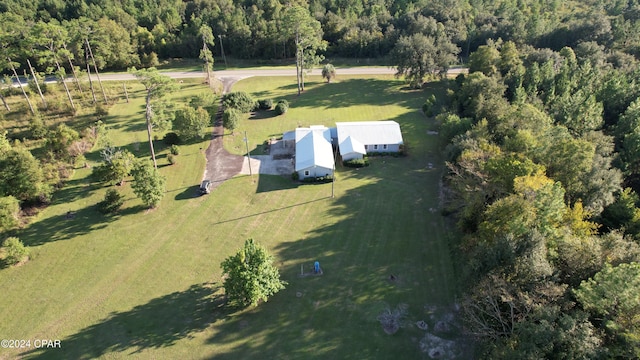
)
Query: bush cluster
[
  {"x": 265, "y": 104},
  {"x": 172, "y": 159},
  {"x": 385, "y": 153},
  {"x": 240, "y": 101},
  {"x": 356, "y": 163},
  {"x": 174, "y": 149},
  {"x": 14, "y": 251},
  {"x": 282, "y": 106},
  {"x": 318, "y": 180}
]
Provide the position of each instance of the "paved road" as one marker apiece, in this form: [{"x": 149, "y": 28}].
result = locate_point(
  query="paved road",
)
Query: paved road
[{"x": 246, "y": 73}]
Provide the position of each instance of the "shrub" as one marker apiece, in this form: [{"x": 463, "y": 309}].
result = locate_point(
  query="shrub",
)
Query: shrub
[
  {"x": 240, "y": 101},
  {"x": 356, "y": 163},
  {"x": 230, "y": 119},
  {"x": 295, "y": 176},
  {"x": 283, "y": 101},
  {"x": 31, "y": 83},
  {"x": 429, "y": 106},
  {"x": 172, "y": 159},
  {"x": 9, "y": 213},
  {"x": 14, "y": 251},
  {"x": 112, "y": 202},
  {"x": 265, "y": 104},
  {"x": 281, "y": 108},
  {"x": 175, "y": 150},
  {"x": 171, "y": 139},
  {"x": 318, "y": 179},
  {"x": 328, "y": 72},
  {"x": 37, "y": 128}
]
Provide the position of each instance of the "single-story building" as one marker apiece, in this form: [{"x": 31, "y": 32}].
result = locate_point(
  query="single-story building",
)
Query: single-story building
[
  {"x": 314, "y": 154},
  {"x": 356, "y": 139}
]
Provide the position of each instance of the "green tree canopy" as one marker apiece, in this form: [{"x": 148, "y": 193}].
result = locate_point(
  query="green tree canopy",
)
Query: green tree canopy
[
  {"x": 21, "y": 175},
  {"x": 250, "y": 276},
  {"x": 612, "y": 294},
  {"x": 190, "y": 123},
  {"x": 148, "y": 184},
  {"x": 156, "y": 86},
  {"x": 9, "y": 213}
]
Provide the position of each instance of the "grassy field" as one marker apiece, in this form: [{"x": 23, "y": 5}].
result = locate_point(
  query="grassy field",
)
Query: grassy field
[{"x": 146, "y": 284}]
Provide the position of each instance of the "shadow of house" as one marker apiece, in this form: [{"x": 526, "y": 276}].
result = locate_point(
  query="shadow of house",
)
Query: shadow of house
[
  {"x": 268, "y": 183},
  {"x": 159, "y": 323}
]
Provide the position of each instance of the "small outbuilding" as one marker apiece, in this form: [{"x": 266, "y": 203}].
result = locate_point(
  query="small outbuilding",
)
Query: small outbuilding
[{"x": 314, "y": 154}]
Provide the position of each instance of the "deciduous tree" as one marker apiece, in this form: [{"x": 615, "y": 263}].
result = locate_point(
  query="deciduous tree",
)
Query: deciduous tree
[
  {"x": 148, "y": 184},
  {"x": 250, "y": 276},
  {"x": 190, "y": 123}
]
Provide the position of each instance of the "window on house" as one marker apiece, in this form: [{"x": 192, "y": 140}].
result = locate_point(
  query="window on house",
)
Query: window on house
[
  {"x": 366, "y": 147},
  {"x": 306, "y": 173},
  {"x": 375, "y": 147},
  {"x": 384, "y": 147}
]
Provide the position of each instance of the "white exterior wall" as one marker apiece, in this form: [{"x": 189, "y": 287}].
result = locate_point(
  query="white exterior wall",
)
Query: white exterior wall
[
  {"x": 351, "y": 156},
  {"x": 390, "y": 148},
  {"x": 316, "y": 171}
]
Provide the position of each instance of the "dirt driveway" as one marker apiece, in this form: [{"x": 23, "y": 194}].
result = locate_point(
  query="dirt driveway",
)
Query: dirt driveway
[{"x": 221, "y": 165}]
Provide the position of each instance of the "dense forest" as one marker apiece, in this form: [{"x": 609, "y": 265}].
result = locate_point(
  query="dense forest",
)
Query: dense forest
[
  {"x": 542, "y": 135},
  {"x": 127, "y": 32}
]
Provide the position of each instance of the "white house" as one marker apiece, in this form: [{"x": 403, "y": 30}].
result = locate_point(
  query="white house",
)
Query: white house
[
  {"x": 356, "y": 139},
  {"x": 314, "y": 154}
]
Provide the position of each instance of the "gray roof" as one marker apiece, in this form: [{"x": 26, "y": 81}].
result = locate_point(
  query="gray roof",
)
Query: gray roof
[
  {"x": 313, "y": 148},
  {"x": 370, "y": 132}
]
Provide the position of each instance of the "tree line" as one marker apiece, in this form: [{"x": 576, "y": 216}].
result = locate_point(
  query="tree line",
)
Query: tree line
[
  {"x": 134, "y": 32},
  {"x": 542, "y": 182}
]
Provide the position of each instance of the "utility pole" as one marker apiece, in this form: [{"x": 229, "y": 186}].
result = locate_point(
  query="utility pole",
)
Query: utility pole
[
  {"x": 246, "y": 142},
  {"x": 222, "y": 50},
  {"x": 333, "y": 177}
]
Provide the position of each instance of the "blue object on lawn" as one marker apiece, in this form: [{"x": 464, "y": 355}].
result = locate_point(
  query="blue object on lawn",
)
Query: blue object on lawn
[{"x": 316, "y": 267}]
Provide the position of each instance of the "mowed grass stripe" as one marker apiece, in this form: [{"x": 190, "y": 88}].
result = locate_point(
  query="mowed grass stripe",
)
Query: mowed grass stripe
[{"x": 145, "y": 282}]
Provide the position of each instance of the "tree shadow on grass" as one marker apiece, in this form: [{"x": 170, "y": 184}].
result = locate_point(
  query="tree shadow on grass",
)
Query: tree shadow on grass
[
  {"x": 263, "y": 114},
  {"x": 378, "y": 231},
  {"x": 65, "y": 226},
  {"x": 157, "y": 324}
]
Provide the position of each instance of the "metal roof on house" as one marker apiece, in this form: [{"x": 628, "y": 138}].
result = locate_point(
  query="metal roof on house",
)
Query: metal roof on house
[
  {"x": 370, "y": 132},
  {"x": 313, "y": 148},
  {"x": 351, "y": 145}
]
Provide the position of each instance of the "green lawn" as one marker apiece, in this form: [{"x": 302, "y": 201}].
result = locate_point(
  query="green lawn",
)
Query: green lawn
[{"x": 147, "y": 283}]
